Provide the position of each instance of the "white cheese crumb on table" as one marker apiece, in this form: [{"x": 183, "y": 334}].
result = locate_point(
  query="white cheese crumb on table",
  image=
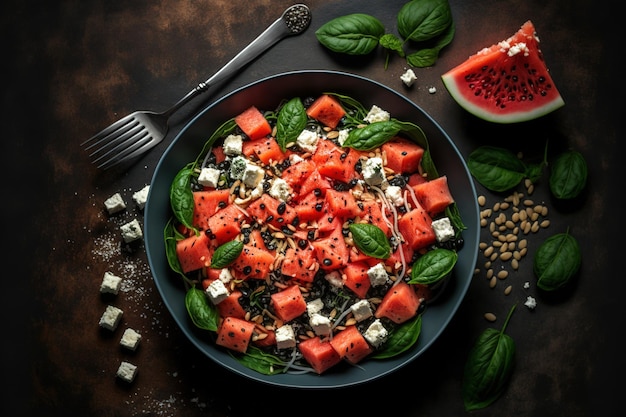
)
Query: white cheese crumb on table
[
  {"x": 130, "y": 339},
  {"x": 111, "y": 317},
  {"x": 141, "y": 197},
  {"x": 114, "y": 204},
  {"x": 110, "y": 283},
  {"x": 127, "y": 371},
  {"x": 131, "y": 231}
]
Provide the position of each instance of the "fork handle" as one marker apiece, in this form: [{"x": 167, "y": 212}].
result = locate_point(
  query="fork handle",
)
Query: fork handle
[{"x": 275, "y": 32}]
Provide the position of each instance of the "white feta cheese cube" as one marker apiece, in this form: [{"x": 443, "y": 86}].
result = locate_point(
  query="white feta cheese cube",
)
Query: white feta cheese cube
[
  {"x": 394, "y": 194},
  {"x": 217, "y": 291},
  {"x": 432, "y": 90},
  {"x": 114, "y": 204},
  {"x": 361, "y": 310},
  {"x": 131, "y": 231},
  {"x": 314, "y": 306},
  {"x": 110, "y": 283},
  {"x": 111, "y": 317},
  {"x": 209, "y": 177},
  {"x": 320, "y": 324},
  {"x": 233, "y": 145},
  {"x": 280, "y": 190},
  {"x": 225, "y": 276},
  {"x": 141, "y": 197},
  {"x": 376, "y": 334},
  {"x": 443, "y": 229},
  {"x": 127, "y": 371},
  {"x": 376, "y": 114},
  {"x": 335, "y": 279},
  {"x": 373, "y": 172},
  {"x": 307, "y": 140},
  {"x": 294, "y": 158},
  {"x": 343, "y": 135},
  {"x": 408, "y": 78},
  {"x": 130, "y": 339},
  {"x": 252, "y": 175},
  {"x": 237, "y": 167},
  {"x": 377, "y": 275},
  {"x": 285, "y": 337}
]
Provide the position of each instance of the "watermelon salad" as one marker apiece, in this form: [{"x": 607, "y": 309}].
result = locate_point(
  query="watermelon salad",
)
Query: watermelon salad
[{"x": 312, "y": 234}]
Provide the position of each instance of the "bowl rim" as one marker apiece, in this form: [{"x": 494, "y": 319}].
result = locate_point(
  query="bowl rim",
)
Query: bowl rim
[{"x": 316, "y": 381}]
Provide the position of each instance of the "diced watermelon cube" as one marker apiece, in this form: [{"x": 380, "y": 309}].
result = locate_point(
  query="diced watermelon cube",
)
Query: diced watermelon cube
[
  {"x": 235, "y": 334},
  {"x": 351, "y": 345},
  {"x": 288, "y": 303},
  {"x": 319, "y": 354},
  {"x": 399, "y": 304}
]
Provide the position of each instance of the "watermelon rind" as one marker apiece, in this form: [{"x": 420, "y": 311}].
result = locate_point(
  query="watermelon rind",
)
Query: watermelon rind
[{"x": 508, "y": 82}]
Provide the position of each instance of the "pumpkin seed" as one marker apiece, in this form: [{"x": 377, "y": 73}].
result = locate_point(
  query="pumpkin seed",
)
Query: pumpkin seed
[{"x": 490, "y": 317}]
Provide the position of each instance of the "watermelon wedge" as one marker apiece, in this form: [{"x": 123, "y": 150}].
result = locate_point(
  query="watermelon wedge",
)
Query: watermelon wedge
[{"x": 508, "y": 82}]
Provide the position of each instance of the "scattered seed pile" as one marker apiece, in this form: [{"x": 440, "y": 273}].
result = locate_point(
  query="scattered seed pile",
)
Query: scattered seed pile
[{"x": 509, "y": 221}]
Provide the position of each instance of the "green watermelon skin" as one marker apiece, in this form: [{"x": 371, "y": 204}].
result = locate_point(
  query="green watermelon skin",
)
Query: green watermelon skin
[{"x": 508, "y": 82}]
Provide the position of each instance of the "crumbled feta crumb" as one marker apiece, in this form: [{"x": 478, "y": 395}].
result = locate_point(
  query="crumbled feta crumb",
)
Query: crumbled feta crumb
[
  {"x": 376, "y": 114},
  {"x": 131, "y": 231},
  {"x": 408, "y": 78},
  {"x": 343, "y": 135},
  {"x": 237, "y": 167},
  {"x": 130, "y": 339},
  {"x": 373, "y": 172},
  {"x": 443, "y": 229},
  {"x": 321, "y": 324},
  {"x": 114, "y": 204},
  {"x": 217, "y": 291},
  {"x": 252, "y": 175},
  {"x": 209, "y": 177},
  {"x": 377, "y": 275},
  {"x": 394, "y": 194},
  {"x": 432, "y": 90},
  {"x": 141, "y": 197},
  {"x": 111, "y": 317},
  {"x": 361, "y": 310},
  {"x": 307, "y": 140},
  {"x": 110, "y": 283},
  {"x": 314, "y": 306},
  {"x": 527, "y": 285},
  {"x": 280, "y": 189},
  {"x": 127, "y": 371},
  {"x": 376, "y": 334},
  {"x": 233, "y": 145},
  {"x": 531, "y": 303},
  {"x": 285, "y": 337},
  {"x": 334, "y": 278}
]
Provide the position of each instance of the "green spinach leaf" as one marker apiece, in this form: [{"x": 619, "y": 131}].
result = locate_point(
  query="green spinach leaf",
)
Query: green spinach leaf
[
  {"x": 373, "y": 135},
  {"x": 226, "y": 253},
  {"x": 568, "y": 175},
  {"x": 170, "y": 237},
  {"x": 291, "y": 122},
  {"x": 353, "y": 34},
  {"x": 497, "y": 169},
  {"x": 433, "y": 266},
  {"x": 401, "y": 339},
  {"x": 203, "y": 314},
  {"x": 423, "y": 20},
  {"x": 370, "y": 240},
  {"x": 488, "y": 367},
  {"x": 260, "y": 361},
  {"x": 556, "y": 260},
  {"x": 181, "y": 197}
]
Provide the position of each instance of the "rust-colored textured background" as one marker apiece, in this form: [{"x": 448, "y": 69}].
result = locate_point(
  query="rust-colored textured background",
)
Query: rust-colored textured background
[{"x": 72, "y": 67}]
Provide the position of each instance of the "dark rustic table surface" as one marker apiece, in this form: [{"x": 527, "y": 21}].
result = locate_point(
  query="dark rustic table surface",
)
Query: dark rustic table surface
[{"x": 72, "y": 67}]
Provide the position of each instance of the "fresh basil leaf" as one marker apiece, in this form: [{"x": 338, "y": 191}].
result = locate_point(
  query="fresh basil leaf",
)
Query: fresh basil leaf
[
  {"x": 556, "y": 261},
  {"x": 260, "y": 361},
  {"x": 423, "y": 58},
  {"x": 497, "y": 169},
  {"x": 181, "y": 197},
  {"x": 400, "y": 339},
  {"x": 371, "y": 240},
  {"x": 291, "y": 122},
  {"x": 433, "y": 266},
  {"x": 392, "y": 42},
  {"x": 568, "y": 175},
  {"x": 353, "y": 34},
  {"x": 169, "y": 235},
  {"x": 373, "y": 135},
  {"x": 203, "y": 314},
  {"x": 226, "y": 253},
  {"x": 488, "y": 368},
  {"x": 423, "y": 20}
]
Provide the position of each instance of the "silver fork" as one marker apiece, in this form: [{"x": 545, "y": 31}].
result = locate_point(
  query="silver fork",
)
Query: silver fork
[{"x": 140, "y": 131}]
